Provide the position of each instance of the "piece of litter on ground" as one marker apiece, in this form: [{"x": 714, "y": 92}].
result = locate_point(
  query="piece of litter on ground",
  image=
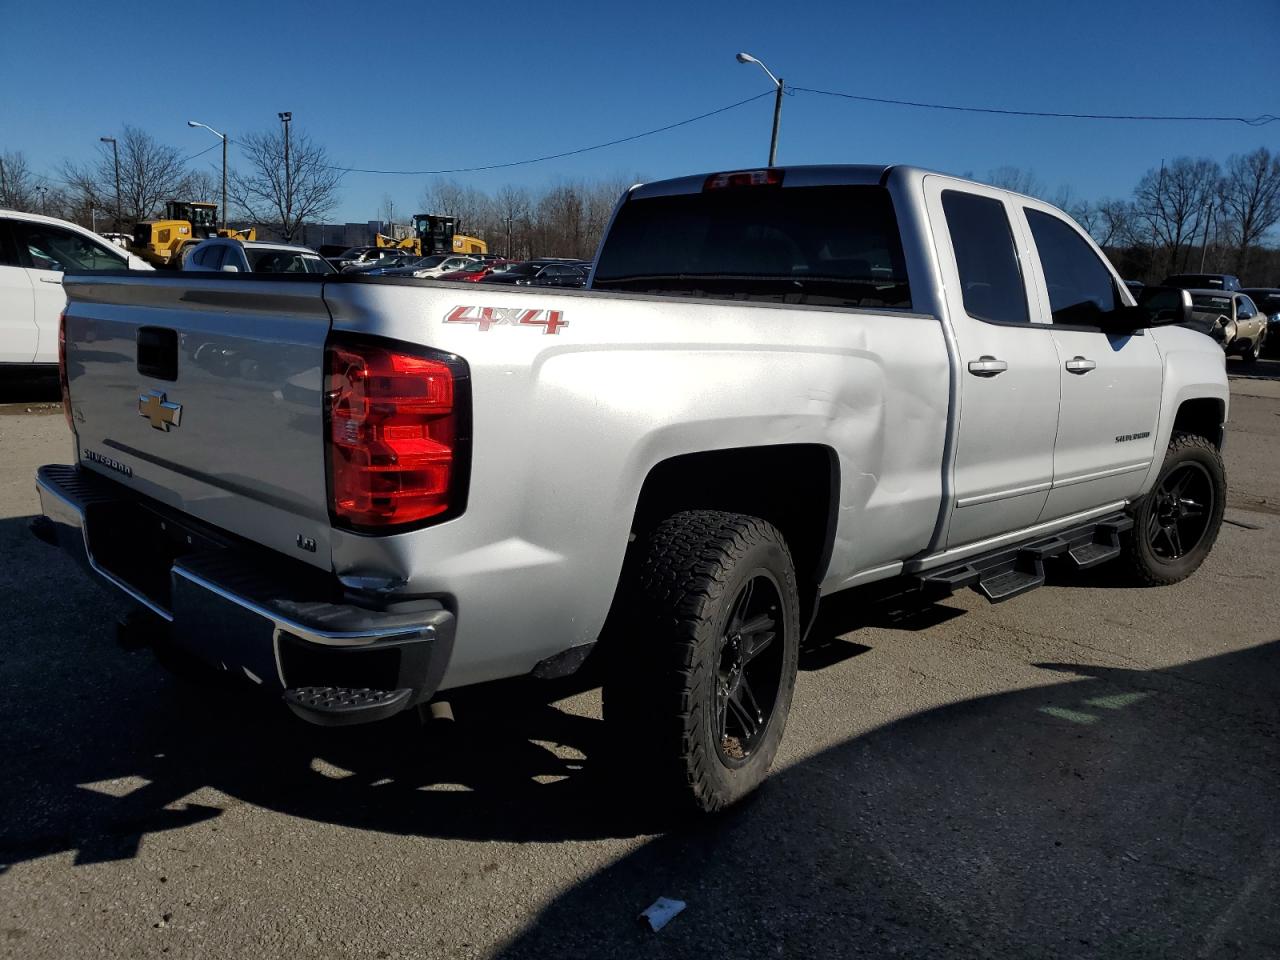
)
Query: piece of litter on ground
[{"x": 661, "y": 912}]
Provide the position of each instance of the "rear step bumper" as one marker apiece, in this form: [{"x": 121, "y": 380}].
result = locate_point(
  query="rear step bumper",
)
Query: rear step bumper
[
  {"x": 236, "y": 607},
  {"x": 1010, "y": 571}
]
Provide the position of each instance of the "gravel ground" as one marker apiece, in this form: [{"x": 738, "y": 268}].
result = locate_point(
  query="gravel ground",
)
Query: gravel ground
[{"x": 1086, "y": 771}]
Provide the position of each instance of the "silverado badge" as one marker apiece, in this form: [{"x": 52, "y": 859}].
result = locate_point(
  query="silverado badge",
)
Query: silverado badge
[{"x": 162, "y": 413}]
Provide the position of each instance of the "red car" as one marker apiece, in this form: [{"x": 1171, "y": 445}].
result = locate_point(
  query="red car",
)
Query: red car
[{"x": 475, "y": 271}]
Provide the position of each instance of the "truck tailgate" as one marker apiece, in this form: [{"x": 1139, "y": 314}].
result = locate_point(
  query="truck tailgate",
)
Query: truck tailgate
[{"x": 204, "y": 393}]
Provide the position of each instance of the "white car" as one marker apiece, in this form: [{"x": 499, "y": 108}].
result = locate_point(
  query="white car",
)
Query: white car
[
  {"x": 226, "y": 255},
  {"x": 34, "y": 253},
  {"x": 439, "y": 264}
]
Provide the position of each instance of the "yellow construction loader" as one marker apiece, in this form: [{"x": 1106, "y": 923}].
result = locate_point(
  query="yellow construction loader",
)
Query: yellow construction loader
[
  {"x": 434, "y": 235},
  {"x": 161, "y": 242}
]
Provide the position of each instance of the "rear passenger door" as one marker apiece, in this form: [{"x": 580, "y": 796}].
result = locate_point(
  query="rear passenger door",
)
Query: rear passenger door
[
  {"x": 1110, "y": 382},
  {"x": 17, "y": 303},
  {"x": 1008, "y": 378}
]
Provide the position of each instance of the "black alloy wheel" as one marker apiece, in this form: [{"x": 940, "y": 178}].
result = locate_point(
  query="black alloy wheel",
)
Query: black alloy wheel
[
  {"x": 749, "y": 673},
  {"x": 1184, "y": 502}
]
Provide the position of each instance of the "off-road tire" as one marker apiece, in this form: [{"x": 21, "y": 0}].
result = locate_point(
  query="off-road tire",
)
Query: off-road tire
[
  {"x": 663, "y": 688},
  {"x": 1142, "y": 559}
]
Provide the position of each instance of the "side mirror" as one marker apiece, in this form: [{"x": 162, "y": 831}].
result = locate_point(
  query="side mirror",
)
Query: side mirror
[
  {"x": 1163, "y": 306},
  {"x": 230, "y": 268}
]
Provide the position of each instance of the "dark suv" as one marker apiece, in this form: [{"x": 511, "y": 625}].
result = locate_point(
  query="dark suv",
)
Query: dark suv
[{"x": 1202, "y": 281}]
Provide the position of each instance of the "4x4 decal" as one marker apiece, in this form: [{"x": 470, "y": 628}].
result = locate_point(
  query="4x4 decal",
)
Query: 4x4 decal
[{"x": 486, "y": 318}]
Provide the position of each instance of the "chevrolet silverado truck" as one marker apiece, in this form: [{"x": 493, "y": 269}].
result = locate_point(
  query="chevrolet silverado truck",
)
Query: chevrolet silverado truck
[{"x": 779, "y": 384}]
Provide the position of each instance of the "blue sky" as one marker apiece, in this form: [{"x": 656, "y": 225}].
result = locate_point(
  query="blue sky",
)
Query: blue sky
[{"x": 405, "y": 85}]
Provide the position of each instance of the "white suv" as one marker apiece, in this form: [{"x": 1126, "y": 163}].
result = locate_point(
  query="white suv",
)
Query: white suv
[{"x": 34, "y": 253}]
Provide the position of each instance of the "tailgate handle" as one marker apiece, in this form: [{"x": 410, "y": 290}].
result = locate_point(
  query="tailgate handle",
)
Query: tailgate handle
[{"x": 158, "y": 353}]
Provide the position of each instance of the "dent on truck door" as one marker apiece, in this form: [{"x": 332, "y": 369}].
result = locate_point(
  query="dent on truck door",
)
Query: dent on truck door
[
  {"x": 1008, "y": 377},
  {"x": 1110, "y": 381}
]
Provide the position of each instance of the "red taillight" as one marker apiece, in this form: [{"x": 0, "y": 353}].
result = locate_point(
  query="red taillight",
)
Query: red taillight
[
  {"x": 63, "y": 383},
  {"x": 395, "y": 432},
  {"x": 743, "y": 178}
]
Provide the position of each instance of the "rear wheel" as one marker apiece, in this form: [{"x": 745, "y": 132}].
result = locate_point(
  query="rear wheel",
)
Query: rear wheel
[
  {"x": 1177, "y": 522},
  {"x": 1254, "y": 352},
  {"x": 704, "y": 665}
]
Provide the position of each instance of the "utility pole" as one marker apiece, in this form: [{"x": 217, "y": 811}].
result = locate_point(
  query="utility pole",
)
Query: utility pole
[
  {"x": 44, "y": 196},
  {"x": 115, "y": 153},
  {"x": 223, "y": 138},
  {"x": 93, "y": 216},
  {"x": 777, "y": 104},
  {"x": 1204, "y": 247},
  {"x": 285, "y": 117},
  {"x": 508, "y": 222}
]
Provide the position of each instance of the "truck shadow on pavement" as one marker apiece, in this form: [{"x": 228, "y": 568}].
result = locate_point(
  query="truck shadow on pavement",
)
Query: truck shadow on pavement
[{"x": 1107, "y": 812}]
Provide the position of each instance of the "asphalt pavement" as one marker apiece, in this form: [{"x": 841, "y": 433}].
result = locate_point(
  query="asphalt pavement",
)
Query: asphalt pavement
[{"x": 1090, "y": 770}]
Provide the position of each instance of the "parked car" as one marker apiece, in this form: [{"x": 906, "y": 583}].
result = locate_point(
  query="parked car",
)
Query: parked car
[
  {"x": 1202, "y": 281},
  {"x": 493, "y": 483},
  {"x": 357, "y": 255},
  {"x": 515, "y": 272},
  {"x": 390, "y": 259},
  {"x": 225, "y": 255},
  {"x": 1240, "y": 326},
  {"x": 35, "y": 251},
  {"x": 1268, "y": 301},
  {"x": 557, "y": 275},
  {"x": 474, "y": 272},
  {"x": 121, "y": 240}
]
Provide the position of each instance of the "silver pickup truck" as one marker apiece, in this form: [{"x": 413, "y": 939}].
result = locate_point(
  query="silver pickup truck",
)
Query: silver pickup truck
[{"x": 361, "y": 492}]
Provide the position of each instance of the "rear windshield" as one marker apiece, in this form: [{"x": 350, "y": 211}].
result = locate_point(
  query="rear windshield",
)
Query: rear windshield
[
  {"x": 830, "y": 246},
  {"x": 285, "y": 261},
  {"x": 1204, "y": 303}
]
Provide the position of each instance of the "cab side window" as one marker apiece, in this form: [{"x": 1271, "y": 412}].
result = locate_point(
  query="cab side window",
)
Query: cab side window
[
  {"x": 1245, "y": 310},
  {"x": 986, "y": 258},
  {"x": 1081, "y": 288}
]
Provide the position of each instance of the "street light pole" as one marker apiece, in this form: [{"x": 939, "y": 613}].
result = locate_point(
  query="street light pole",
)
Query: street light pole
[
  {"x": 777, "y": 104},
  {"x": 223, "y": 138},
  {"x": 44, "y": 198},
  {"x": 115, "y": 153},
  {"x": 286, "y": 116}
]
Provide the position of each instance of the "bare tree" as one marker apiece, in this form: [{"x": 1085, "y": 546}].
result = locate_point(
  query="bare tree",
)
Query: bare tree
[
  {"x": 270, "y": 194},
  {"x": 1250, "y": 193},
  {"x": 150, "y": 173},
  {"x": 512, "y": 210},
  {"x": 17, "y": 182},
  {"x": 1015, "y": 179},
  {"x": 1172, "y": 203},
  {"x": 471, "y": 208}
]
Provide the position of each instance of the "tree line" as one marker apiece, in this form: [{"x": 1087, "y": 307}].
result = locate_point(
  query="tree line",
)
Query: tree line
[
  {"x": 1189, "y": 215},
  {"x": 1186, "y": 215}
]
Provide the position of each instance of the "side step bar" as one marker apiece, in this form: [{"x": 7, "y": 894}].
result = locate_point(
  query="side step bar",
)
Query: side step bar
[{"x": 1010, "y": 571}]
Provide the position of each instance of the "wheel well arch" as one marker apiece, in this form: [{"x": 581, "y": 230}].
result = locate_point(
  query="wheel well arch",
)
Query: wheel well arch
[
  {"x": 795, "y": 487},
  {"x": 1204, "y": 416}
]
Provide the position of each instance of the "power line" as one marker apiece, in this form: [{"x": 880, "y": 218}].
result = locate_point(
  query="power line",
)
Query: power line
[
  {"x": 1250, "y": 121},
  {"x": 558, "y": 156}
]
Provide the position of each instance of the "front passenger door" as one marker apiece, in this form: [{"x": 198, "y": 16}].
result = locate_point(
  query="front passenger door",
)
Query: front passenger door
[{"x": 1110, "y": 382}]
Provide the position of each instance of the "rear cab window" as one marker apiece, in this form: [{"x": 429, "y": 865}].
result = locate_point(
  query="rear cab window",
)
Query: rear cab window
[{"x": 820, "y": 245}]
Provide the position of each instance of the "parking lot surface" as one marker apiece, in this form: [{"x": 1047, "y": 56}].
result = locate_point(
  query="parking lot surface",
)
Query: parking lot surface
[{"x": 1090, "y": 770}]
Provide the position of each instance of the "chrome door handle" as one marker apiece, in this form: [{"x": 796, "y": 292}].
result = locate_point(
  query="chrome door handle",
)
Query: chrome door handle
[
  {"x": 986, "y": 366},
  {"x": 1079, "y": 365},
  {"x": 50, "y": 280}
]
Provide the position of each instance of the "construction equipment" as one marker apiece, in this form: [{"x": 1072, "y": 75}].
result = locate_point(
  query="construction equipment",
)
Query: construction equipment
[
  {"x": 433, "y": 235},
  {"x": 185, "y": 222}
]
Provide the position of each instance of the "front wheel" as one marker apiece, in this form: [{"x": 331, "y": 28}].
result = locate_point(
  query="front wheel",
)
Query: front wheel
[
  {"x": 1254, "y": 352},
  {"x": 1177, "y": 522},
  {"x": 704, "y": 665}
]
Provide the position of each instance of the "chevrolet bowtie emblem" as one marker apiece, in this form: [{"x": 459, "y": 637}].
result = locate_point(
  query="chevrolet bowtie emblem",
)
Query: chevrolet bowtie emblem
[{"x": 159, "y": 411}]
